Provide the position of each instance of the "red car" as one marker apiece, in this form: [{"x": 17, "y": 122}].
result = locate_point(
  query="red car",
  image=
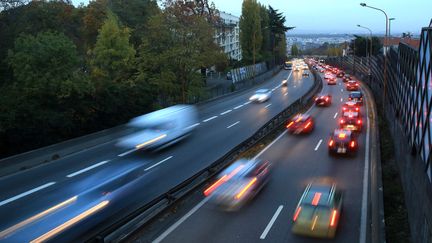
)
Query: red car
[
  {"x": 323, "y": 100},
  {"x": 351, "y": 121},
  {"x": 331, "y": 81},
  {"x": 352, "y": 85},
  {"x": 301, "y": 124},
  {"x": 350, "y": 106},
  {"x": 342, "y": 142}
]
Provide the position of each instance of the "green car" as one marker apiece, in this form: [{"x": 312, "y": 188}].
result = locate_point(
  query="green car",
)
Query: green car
[{"x": 318, "y": 211}]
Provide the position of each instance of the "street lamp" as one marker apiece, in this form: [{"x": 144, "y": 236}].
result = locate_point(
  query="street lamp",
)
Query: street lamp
[
  {"x": 390, "y": 20},
  {"x": 385, "y": 46},
  {"x": 370, "y": 50}
]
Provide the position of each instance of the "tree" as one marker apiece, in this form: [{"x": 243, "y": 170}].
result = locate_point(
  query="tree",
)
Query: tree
[
  {"x": 179, "y": 42},
  {"x": 278, "y": 31},
  {"x": 134, "y": 14},
  {"x": 93, "y": 19},
  {"x": 49, "y": 95},
  {"x": 294, "y": 50},
  {"x": 112, "y": 55},
  {"x": 250, "y": 31},
  {"x": 266, "y": 46},
  {"x": 359, "y": 45}
]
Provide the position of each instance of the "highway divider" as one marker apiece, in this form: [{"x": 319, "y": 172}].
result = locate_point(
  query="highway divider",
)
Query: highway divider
[{"x": 124, "y": 227}]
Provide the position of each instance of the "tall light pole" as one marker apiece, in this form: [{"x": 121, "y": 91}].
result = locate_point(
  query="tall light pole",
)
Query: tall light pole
[
  {"x": 370, "y": 49},
  {"x": 390, "y": 20},
  {"x": 385, "y": 47}
]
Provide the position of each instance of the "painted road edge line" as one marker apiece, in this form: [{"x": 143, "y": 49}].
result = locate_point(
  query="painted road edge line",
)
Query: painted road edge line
[
  {"x": 180, "y": 221},
  {"x": 335, "y": 115},
  {"x": 267, "y": 106},
  {"x": 270, "y": 224},
  {"x": 88, "y": 168},
  {"x": 26, "y": 193},
  {"x": 158, "y": 163},
  {"x": 237, "y": 107}
]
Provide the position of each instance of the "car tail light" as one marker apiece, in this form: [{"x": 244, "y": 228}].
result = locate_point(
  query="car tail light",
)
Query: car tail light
[
  {"x": 333, "y": 218},
  {"x": 331, "y": 142},
  {"x": 215, "y": 185},
  {"x": 290, "y": 124},
  {"x": 296, "y": 214},
  {"x": 240, "y": 194},
  {"x": 352, "y": 144},
  {"x": 357, "y": 109},
  {"x": 359, "y": 121},
  {"x": 316, "y": 99},
  {"x": 342, "y": 121},
  {"x": 308, "y": 124},
  {"x": 326, "y": 99}
]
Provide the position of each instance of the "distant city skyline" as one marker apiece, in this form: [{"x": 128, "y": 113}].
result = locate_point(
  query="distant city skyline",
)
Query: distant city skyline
[{"x": 341, "y": 16}]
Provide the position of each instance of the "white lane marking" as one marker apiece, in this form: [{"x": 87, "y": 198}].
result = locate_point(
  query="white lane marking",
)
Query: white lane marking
[
  {"x": 319, "y": 143},
  {"x": 158, "y": 163},
  {"x": 233, "y": 124},
  {"x": 270, "y": 224},
  {"x": 363, "y": 217},
  {"x": 192, "y": 126},
  {"x": 26, "y": 193},
  {"x": 180, "y": 221},
  {"x": 335, "y": 115},
  {"x": 295, "y": 86},
  {"x": 127, "y": 152},
  {"x": 225, "y": 112},
  {"x": 247, "y": 103},
  {"x": 267, "y": 106},
  {"x": 237, "y": 107},
  {"x": 268, "y": 146},
  {"x": 341, "y": 90},
  {"x": 341, "y": 99},
  {"x": 286, "y": 94},
  {"x": 87, "y": 169},
  {"x": 273, "y": 89},
  {"x": 289, "y": 75},
  {"x": 209, "y": 119}
]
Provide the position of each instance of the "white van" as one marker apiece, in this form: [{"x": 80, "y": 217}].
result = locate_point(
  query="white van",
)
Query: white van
[{"x": 160, "y": 128}]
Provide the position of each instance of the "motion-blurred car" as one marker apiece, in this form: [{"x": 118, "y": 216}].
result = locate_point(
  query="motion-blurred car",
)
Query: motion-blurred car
[
  {"x": 352, "y": 85},
  {"x": 305, "y": 74},
  {"x": 351, "y": 121},
  {"x": 239, "y": 183},
  {"x": 350, "y": 106},
  {"x": 346, "y": 78},
  {"x": 160, "y": 128},
  {"x": 331, "y": 80},
  {"x": 340, "y": 74},
  {"x": 356, "y": 96},
  {"x": 296, "y": 68},
  {"x": 323, "y": 100},
  {"x": 285, "y": 82},
  {"x": 342, "y": 142},
  {"x": 261, "y": 95},
  {"x": 328, "y": 75},
  {"x": 301, "y": 123},
  {"x": 318, "y": 211}
]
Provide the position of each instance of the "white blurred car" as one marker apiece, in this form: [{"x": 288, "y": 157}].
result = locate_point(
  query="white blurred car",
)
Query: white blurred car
[
  {"x": 285, "y": 82},
  {"x": 261, "y": 95},
  {"x": 160, "y": 128}
]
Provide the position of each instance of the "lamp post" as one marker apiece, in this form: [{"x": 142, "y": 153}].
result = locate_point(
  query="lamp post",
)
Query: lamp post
[
  {"x": 390, "y": 20},
  {"x": 370, "y": 49},
  {"x": 385, "y": 47}
]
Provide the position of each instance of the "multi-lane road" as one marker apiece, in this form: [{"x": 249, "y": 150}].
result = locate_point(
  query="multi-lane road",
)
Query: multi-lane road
[
  {"x": 298, "y": 159},
  {"x": 68, "y": 199}
]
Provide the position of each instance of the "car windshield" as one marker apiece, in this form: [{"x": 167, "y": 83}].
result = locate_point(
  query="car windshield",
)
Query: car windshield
[{"x": 262, "y": 91}]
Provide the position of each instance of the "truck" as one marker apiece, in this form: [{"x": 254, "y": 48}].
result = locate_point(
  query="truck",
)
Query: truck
[{"x": 161, "y": 128}]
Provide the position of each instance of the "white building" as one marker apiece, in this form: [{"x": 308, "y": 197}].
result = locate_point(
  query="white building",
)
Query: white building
[{"x": 227, "y": 35}]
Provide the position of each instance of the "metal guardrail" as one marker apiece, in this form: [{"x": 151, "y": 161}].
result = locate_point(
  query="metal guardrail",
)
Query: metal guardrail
[{"x": 121, "y": 229}]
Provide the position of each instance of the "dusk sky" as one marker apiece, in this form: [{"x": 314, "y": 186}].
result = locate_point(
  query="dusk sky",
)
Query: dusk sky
[{"x": 342, "y": 16}]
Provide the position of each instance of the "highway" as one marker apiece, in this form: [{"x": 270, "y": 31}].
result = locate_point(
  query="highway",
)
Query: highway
[
  {"x": 298, "y": 159},
  {"x": 70, "y": 198}
]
